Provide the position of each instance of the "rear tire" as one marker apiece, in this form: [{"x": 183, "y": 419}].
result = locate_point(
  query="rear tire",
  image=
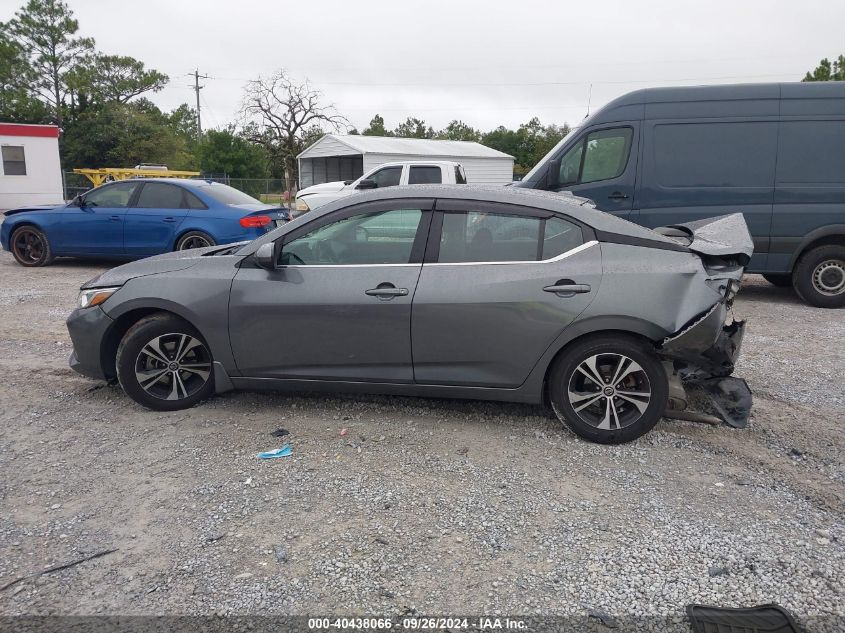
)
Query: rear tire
[
  {"x": 194, "y": 239},
  {"x": 164, "y": 364},
  {"x": 609, "y": 388},
  {"x": 30, "y": 247},
  {"x": 819, "y": 276},
  {"x": 781, "y": 281}
]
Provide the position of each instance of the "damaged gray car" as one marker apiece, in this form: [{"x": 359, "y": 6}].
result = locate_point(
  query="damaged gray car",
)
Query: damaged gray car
[{"x": 439, "y": 291}]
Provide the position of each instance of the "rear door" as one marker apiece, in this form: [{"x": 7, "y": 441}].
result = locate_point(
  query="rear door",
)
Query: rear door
[
  {"x": 154, "y": 217},
  {"x": 602, "y": 166},
  {"x": 489, "y": 301},
  {"x": 95, "y": 226},
  {"x": 339, "y": 307}
]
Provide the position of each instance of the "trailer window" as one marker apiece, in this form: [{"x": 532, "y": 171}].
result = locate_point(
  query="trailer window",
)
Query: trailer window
[{"x": 14, "y": 161}]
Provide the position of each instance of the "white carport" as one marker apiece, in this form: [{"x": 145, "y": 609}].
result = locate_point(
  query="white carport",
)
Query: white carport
[{"x": 348, "y": 156}]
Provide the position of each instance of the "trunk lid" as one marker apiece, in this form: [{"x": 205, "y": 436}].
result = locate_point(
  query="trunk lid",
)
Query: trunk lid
[{"x": 725, "y": 236}]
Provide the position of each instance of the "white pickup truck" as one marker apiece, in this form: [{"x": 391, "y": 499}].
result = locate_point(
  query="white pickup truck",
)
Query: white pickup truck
[{"x": 385, "y": 175}]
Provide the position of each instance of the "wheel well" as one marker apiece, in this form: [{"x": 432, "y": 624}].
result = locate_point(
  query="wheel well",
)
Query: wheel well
[
  {"x": 827, "y": 240},
  {"x": 108, "y": 350},
  {"x": 626, "y": 333}
]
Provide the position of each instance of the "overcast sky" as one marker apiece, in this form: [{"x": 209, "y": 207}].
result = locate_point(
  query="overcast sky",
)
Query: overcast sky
[{"x": 487, "y": 63}]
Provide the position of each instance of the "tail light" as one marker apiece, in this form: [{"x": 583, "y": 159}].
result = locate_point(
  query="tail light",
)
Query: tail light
[{"x": 255, "y": 221}]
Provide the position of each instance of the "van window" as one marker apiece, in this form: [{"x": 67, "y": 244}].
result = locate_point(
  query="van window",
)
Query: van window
[
  {"x": 425, "y": 175},
  {"x": 715, "y": 154},
  {"x": 811, "y": 152},
  {"x": 601, "y": 155}
]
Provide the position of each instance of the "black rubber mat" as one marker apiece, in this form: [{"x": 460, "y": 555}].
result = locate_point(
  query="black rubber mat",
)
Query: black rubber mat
[{"x": 767, "y": 618}]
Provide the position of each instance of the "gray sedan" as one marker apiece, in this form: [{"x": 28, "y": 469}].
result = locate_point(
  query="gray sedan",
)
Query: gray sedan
[{"x": 437, "y": 291}]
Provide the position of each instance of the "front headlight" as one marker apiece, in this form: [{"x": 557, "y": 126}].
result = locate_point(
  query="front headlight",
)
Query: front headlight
[
  {"x": 95, "y": 296},
  {"x": 301, "y": 205}
]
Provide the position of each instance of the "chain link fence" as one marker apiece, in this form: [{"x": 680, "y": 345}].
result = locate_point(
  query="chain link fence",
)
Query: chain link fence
[{"x": 269, "y": 190}]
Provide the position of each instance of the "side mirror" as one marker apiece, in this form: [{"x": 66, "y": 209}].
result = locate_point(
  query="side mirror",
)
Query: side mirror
[
  {"x": 265, "y": 256},
  {"x": 553, "y": 174},
  {"x": 367, "y": 184}
]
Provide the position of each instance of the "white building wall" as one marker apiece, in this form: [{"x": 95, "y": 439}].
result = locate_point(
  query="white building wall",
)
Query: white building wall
[
  {"x": 479, "y": 171},
  {"x": 42, "y": 183}
]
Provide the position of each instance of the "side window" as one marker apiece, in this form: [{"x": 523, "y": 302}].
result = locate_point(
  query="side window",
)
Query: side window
[
  {"x": 601, "y": 155},
  {"x": 487, "y": 237},
  {"x": 560, "y": 236},
  {"x": 14, "y": 160},
  {"x": 425, "y": 175},
  {"x": 111, "y": 196},
  {"x": 460, "y": 176},
  {"x": 386, "y": 237},
  {"x": 193, "y": 201},
  {"x": 740, "y": 154},
  {"x": 157, "y": 195},
  {"x": 387, "y": 177}
]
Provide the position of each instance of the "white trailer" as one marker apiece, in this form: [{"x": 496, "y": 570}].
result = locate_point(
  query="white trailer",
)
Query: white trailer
[{"x": 30, "y": 171}]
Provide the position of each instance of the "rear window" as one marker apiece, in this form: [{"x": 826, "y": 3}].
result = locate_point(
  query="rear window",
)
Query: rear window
[
  {"x": 425, "y": 175},
  {"x": 715, "y": 154},
  {"x": 811, "y": 152},
  {"x": 225, "y": 194}
]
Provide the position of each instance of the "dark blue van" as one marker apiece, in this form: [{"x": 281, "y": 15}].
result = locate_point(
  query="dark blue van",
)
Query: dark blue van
[{"x": 775, "y": 152}]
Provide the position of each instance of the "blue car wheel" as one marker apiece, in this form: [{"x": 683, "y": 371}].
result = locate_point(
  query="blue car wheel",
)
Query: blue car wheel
[
  {"x": 30, "y": 246},
  {"x": 194, "y": 239}
]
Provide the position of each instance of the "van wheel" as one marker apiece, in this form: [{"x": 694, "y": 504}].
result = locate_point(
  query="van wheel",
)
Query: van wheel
[
  {"x": 819, "y": 276},
  {"x": 609, "y": 388},
  {"x": 781, "y": 281}
]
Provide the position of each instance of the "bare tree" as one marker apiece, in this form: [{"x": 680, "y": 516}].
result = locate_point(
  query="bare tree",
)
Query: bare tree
[{"x": 279, "y": 113}]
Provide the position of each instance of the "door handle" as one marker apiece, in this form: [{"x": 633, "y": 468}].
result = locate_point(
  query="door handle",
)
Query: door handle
[
  {"x": 115, "y": 218},
  {"x": 386, "y": 291},
  {"x": 169, "y": 219},
  {"x": 618, "y": 195},
  {"x": 567, "y": 288}
]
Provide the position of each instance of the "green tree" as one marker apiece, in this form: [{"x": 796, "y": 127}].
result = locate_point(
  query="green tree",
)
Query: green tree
[
  {"x": 459, "y": 131},
  {"x": 376, "y": 127},
  {"x": 413, "y": 127},
  {"x": 827, "y": 71},
  {"x": 224, "y": 152},
  {"x": 106, "y": 78},
  {"x": 18, "y": 101},
  {"x": 45, "y": 30}
]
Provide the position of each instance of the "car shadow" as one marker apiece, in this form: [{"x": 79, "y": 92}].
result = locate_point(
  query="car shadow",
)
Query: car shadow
[{"x": 764, "y": 291}]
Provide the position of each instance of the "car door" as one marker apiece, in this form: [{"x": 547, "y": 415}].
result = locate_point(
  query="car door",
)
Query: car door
[
  {"x": 153, "y": 218},
  {"x": 602, "y": 166},
  {"x": 498, "y": 286},
  {"x": 94, "y": 225},
  {"x": 338, "y": 307}
]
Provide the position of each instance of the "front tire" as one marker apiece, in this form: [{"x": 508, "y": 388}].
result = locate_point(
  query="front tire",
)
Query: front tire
[
  {"x": 194, "y": 239},
  {"x": 30, "y": 247},
  {"x": 609, "y": 388},
  {"x": 164, "y": 364},
  {"x": 819, "y": 276}
]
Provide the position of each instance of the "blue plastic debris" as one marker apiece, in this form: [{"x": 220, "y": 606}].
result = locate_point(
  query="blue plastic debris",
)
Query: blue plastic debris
[{"x": 284, "y": 451}]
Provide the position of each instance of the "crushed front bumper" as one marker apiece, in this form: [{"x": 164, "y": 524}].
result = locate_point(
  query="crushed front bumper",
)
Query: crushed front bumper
[{"x": 703, "y": 356}]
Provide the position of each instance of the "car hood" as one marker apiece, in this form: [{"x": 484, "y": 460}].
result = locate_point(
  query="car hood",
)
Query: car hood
[
  {"x": 36, "y": 207},
  {"x": 326, "y": 187},
  {"x": 722, "y": 236},
  {"x": 165, "y": 263}
]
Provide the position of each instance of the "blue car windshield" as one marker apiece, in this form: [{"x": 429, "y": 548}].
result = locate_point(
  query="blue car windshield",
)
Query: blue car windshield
[{"x": 225, "y": 194}]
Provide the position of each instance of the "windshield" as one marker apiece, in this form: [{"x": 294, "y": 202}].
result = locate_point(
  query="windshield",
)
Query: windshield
[
  {"x": 227, "y": 195},
  {"x": 527, "y": 177}
]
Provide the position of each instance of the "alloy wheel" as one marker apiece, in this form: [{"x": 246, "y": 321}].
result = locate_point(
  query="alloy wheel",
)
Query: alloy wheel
[
  {"x": 829, "y": 277},
  {"x": 173, "y": 366},
  {"x": 28, "y": 245},
  {"x": 609, "y": 391},
  {"x": 194, "y": 241}
]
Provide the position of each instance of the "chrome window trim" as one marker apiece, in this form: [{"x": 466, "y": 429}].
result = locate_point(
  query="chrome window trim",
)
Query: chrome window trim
[
  {"x": 556, "y": 258},
  {"x": 417, "y": 265}
]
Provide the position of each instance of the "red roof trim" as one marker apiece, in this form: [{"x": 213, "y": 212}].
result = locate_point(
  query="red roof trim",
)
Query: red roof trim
[{"x": 18, "y": 129}]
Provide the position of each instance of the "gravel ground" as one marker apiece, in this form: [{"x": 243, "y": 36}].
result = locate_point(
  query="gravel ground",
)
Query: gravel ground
[{"x": 442, "y": 507}]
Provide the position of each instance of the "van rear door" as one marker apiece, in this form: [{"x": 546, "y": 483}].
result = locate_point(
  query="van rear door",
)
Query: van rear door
[{"x": 601, "y": 165}]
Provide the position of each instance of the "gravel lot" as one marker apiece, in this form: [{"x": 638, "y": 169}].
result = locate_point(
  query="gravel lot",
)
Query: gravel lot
[{"x": 444, "y": 507}]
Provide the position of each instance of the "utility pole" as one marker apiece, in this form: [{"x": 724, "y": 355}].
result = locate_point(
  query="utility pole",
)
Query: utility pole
[{"x": 196, "y": 75}]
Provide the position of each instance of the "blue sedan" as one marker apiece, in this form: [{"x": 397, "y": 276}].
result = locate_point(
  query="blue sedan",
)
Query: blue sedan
[{"x": 137, "y": 218}]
